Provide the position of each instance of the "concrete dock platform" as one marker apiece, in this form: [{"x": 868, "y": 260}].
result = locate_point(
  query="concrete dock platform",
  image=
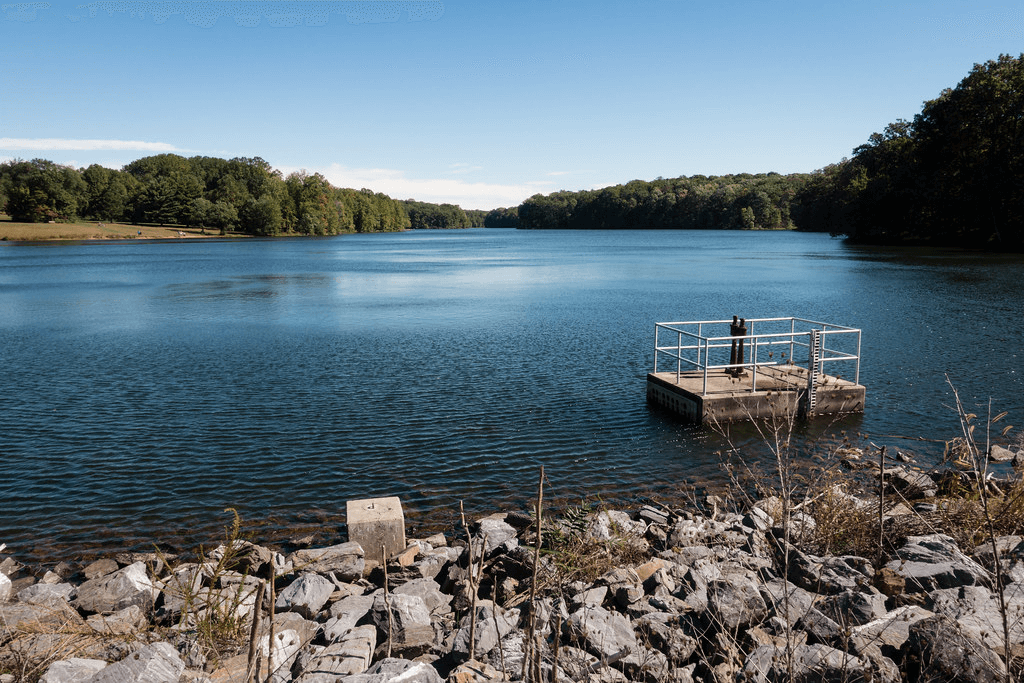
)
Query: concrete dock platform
[{"x": 779, "y": 390}]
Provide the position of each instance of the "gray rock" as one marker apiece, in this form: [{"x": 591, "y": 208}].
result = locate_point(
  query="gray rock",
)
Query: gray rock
[
  {"x": 735, "y": 604},
  {"x": 911, "y": 483},
  {"x": 345, "y": 560},
  {"x": 73, "y": 670},
  {"x": 976, "y": 610},
  {"x": 410, "y": 627},
  {"x": 1000, "y": 454},
  {"x": 492, "y": 624},
  {"x": 785, "y": 599},
  {"x": 123, "y": 622},
  {"x": 346, "y": 613},
  {"x": 827, "y": 575},
  {"x": 603, "y": 633},
  {"x": 887, "y": 635},
  {"x": 21, "y": 616},
  {"x": 305, "y": 595},
  {"x": 6, "y": 587},
  {"x": 352, "y": 654},
  {"x": 665, "y": 632},
  {"x": 819, "y": 627},
  {"x": 114, "y": 592},
  {"x": 934, "y": 561},
  {"x": 46, "y": 593},
  {"x": 612, "y": 524},
  {"x": 853, "y": 608},
  {"x": 100, "y": 568},
  {"x": 156, "y": 663},
  {"x": 430, "y": 592},
  {"x": 392, "y": 669},
  {"x": 810, "y": 664},
  {"x": 495, "y": 533},
  {"x": 938, "y": 650},
  {"x": 287, "y": 645}
]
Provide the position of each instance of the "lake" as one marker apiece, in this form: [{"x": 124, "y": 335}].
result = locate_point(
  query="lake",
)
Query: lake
[{"x": 148, "y": 386}]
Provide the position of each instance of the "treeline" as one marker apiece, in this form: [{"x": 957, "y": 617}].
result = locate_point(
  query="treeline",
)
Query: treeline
[
  {"x": 237, "y": 195},
  {"x": 731, "y": 202},
  {"x": 426, "y": 216},
  {"x": 952, "y": 176}
]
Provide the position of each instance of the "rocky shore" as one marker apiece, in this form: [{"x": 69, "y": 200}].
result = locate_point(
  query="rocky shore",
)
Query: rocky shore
[{"x": 699, "y": 593}]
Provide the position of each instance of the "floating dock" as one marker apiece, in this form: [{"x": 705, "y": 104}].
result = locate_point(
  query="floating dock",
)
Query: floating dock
[{"x": 726, "y": 371}]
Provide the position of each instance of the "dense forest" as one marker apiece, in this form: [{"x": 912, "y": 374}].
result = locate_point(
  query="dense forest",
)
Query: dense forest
[
  {"x": 733, "y": 202},
  {"x": 952, "y": 176},
  {"x": 237, "y": 195}
]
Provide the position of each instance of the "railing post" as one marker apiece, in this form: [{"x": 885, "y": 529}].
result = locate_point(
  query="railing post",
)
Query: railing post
[{"x": 679, "y": 354}]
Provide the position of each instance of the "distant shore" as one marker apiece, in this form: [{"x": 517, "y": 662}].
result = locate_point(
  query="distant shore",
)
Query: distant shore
[{"x": 11, "y": 231}]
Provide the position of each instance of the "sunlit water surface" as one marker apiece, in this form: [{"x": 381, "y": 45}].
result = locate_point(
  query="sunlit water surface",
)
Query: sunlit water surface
[{"x": 147, "y": 386}]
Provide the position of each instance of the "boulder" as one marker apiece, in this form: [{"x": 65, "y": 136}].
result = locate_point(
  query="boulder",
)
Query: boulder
[
  {"x": 73, "y": 670},
  {"x": 735, "y": 603},
  {"x": 933, "y": 561},
  {"x": 938, "y": 650},
  {"x": 305, "y": 595},
  {"x": 430, "y": 592},
  {"x": 346, "y": 613},
  {"x": 156, "y": 663},
  {"x": 286, "y": 647},
  {"x": 100, "y": 568},
  {"x": 46, "y": 593},
  {"x": 495, "y": 533},
  {"x": 810, "y": 664},
  {"x": 613, "y": 524},
  {"x": 410, "y": 628},
  {"x": 114, "y": 592},
  {"x": 351, "y": 654},
  {"x": 392, "y": 669},
  {"x": 123, "y": 622},
  {"x": 853, "y": 608},
  {"x": 602, "y": 633},
  {"x": 345, "y": 560},
  {"x": 492, "y": 624},
  {"x": 5, "y": 588}
]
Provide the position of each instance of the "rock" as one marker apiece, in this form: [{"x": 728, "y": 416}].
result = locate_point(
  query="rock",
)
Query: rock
[
  {"x": 123, "y": 622},
  {"x": 243, "y": 556},
  {"x": 911, "y": 483},
  {"x": 1000, "y": 454},
  {"x": 853, "y": 608},
  {"x": 934, "y": 561},
  {"x": 887, "y": 634},
  {"x": 492, "y": 624},
  {"x": 653, "y": 515},
  {"x": 305, "y": 595},
  {"x": 345, "y": 560},
  {"x": 430, "y": 592},
  {"x": 612, "y": 524},
  {"x": 786, "y": 600},
  {"x": 410, "y": 627},
  {"x": 475, "y": 672},
  {"x": 664, "y": 631},
  {"x": 5, "y": 588},
  {"x": 602, "y": 633},
  {"x": 735, "y": 604},
  {"x": 397, "y": 670},
  {"x": 827, "y": 575},
  {"x": 287, "y": 644},
  {"x": 46, "y": 593},
  {"x": 495, "y": 533},
  {"x": 937, "y": 650},
  {"x": 156, "y": 663},
  {"x": 114, "y": 592},
  {"x": 810, "y": 664},
  {"x": 976, "y": 611},
  {"x": 100, "y": 568},
  {"x": 346, "y": 613},
  {"x": 73, "y": 670},
  {"x": 352, "y": 654}
]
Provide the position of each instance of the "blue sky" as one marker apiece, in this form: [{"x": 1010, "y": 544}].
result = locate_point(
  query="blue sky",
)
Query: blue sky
[{"x": 482, "y": 103}]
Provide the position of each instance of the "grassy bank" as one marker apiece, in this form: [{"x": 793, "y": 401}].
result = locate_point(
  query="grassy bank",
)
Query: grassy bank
[{"x": 93, "y": 230}]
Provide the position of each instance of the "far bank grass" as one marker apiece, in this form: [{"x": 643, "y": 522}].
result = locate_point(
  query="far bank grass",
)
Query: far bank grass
[{"x": 94, "y": 230}]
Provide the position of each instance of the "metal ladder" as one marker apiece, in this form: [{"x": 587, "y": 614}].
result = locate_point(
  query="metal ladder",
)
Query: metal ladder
[{"x": 813, "y": 371}]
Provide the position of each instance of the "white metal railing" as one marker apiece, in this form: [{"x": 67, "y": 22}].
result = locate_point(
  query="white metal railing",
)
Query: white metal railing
[{"x": 705, "y": 345}]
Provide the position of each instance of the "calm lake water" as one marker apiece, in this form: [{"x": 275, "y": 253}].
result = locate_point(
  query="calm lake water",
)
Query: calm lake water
[{"x": 147, "y": 386}]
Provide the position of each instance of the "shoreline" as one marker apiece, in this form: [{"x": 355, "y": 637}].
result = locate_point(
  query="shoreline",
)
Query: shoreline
[{"x": 720, "y": 588}]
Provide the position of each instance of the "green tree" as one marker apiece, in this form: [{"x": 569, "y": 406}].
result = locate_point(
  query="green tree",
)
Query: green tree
[{"x": 40, "y": 190}]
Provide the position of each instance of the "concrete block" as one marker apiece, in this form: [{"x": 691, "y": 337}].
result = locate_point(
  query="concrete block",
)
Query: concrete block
[{"x": 374, "y": 523}]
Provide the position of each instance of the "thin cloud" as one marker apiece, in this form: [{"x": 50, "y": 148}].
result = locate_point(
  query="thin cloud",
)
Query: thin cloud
[
  {"x": 83, "y": 145},
  {"x": 395, "y": 184}
]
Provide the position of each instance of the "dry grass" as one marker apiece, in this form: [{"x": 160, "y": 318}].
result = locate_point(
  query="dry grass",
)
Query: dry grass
[{"x": 91, "y": 230}]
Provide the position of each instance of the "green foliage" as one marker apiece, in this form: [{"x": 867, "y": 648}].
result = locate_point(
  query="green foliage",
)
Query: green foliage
[
  {"x": 502, "y": 218},
  {"x": 950, "y": 177},
  {"x": 38, "y": 191},
  {"x": 730, "y": 202},
  {"x": 424, "y": 216}
]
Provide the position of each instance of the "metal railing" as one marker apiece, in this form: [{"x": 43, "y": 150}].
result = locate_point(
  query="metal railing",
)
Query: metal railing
[{"x": 700, "y": 347}]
